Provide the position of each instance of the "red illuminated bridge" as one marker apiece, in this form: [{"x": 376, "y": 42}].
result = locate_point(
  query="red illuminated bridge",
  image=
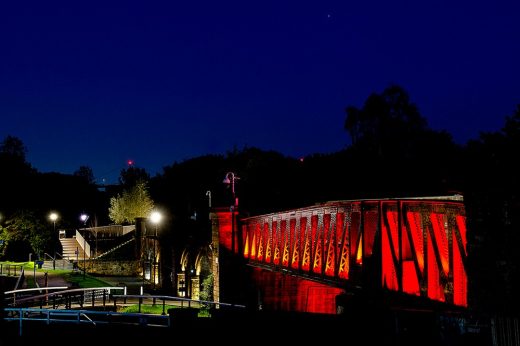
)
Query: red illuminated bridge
[{"x": 304, "y": 258}]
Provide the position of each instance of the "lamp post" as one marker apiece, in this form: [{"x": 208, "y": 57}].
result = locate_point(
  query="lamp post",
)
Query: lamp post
[
  {"x": 208, "y": 194},
  {"x": 155, "y": 217},
  {"x": 84, "y": 218},
  {"x": 53, "y": 217},
  {"x": 230, "y": 179}
]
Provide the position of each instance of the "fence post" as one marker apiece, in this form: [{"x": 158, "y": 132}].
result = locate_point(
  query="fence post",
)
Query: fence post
[{"x": 20, "y": 325}]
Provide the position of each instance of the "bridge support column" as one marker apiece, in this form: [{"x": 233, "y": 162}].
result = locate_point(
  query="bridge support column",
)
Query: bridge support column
[{"x": 215, "y": 267}]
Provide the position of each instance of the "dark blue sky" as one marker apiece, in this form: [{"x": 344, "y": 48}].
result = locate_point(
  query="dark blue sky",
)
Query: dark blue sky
[{"x": 98, "y": 83}]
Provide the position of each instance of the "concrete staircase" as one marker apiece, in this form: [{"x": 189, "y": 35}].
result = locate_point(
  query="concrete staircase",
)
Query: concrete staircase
[{"x": 70, "y": 246}]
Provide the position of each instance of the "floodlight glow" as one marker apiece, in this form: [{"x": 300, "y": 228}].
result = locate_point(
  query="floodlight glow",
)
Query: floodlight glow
[
  {"x": 53, "y": 217},
  {"x": 155, "y": 217}
]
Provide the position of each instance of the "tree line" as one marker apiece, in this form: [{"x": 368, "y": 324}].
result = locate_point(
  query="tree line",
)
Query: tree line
[{"x": 393, "y": 153}]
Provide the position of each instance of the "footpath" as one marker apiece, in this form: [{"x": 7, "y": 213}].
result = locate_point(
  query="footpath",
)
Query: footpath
[
  {"x": 46, "y": 279},
  {"x": 53, "y": 279}
]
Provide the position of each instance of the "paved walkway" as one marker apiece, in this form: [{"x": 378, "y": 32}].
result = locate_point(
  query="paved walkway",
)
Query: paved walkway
[
  {"x": 45, "y": 279},
  {"x": 133, "y": 284},
  {"x": 52, "y": 279}
]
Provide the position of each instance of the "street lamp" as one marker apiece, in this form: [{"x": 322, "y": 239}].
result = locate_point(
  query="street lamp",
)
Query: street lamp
[
  {"x": 208, "y": 194},
  {"x": 53, "y": 217},
  {"x": 155, "y": 217},
  {"x": 230, "y": 179},
  {"x": 84, "y": 218}
]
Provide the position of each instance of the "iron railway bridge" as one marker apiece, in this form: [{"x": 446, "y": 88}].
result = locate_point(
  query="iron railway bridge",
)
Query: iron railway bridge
[{"x": 412, "y": 246}]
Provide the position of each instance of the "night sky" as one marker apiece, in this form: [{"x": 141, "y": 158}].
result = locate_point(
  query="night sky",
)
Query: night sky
[{"x": 98, "y": 83}]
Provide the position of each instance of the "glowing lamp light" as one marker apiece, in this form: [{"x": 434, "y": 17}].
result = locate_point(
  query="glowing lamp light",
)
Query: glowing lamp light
[
  {"x": 53, "y": 217},
  {"x": 83, "y": 218},
  {"x": 155, "y": 217}
]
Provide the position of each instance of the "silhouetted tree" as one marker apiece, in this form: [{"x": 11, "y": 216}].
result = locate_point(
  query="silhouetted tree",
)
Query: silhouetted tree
[
  {"x": 13, "y": 147},
  {"x": 384, "y": 120},
  {"x": 393, "y": 150},
  {"x": 86, "y": 173},
  {"x": 132, "y": 175},
  {"x": 16, "y": 175},
  {"x": 492, "y": 194}
]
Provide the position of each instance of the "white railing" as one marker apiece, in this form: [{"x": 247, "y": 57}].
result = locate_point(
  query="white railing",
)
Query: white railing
[{"x": 83, "y": 243}]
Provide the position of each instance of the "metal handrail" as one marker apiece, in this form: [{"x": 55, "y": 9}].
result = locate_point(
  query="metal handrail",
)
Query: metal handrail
[
  {"x": 34, "y": 314},
  {"x": 47, "y": 296},
  {"x": 190, "y": 302},
  {"x": 114, "y": 248},
  {"x": 24, "y": 290},
  {"x": 9, "y": 266},
  {"x": 69, "y": 296},
  {"x": 180, "y": 299},
  {"x": 88, "y": 318},
  {"x": 20, "y": 278},
  {"x": 36, "y": 289}
]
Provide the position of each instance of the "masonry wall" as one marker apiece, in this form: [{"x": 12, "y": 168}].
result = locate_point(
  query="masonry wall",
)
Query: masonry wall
[{"x": 114, "y": 268}]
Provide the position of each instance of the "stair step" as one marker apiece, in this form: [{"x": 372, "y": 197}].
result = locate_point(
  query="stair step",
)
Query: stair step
[{"x": 70, "y": 246}]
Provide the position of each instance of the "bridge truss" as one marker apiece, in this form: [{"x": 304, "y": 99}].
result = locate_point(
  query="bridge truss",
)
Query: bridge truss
[{"x": 415, "y": 246}]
